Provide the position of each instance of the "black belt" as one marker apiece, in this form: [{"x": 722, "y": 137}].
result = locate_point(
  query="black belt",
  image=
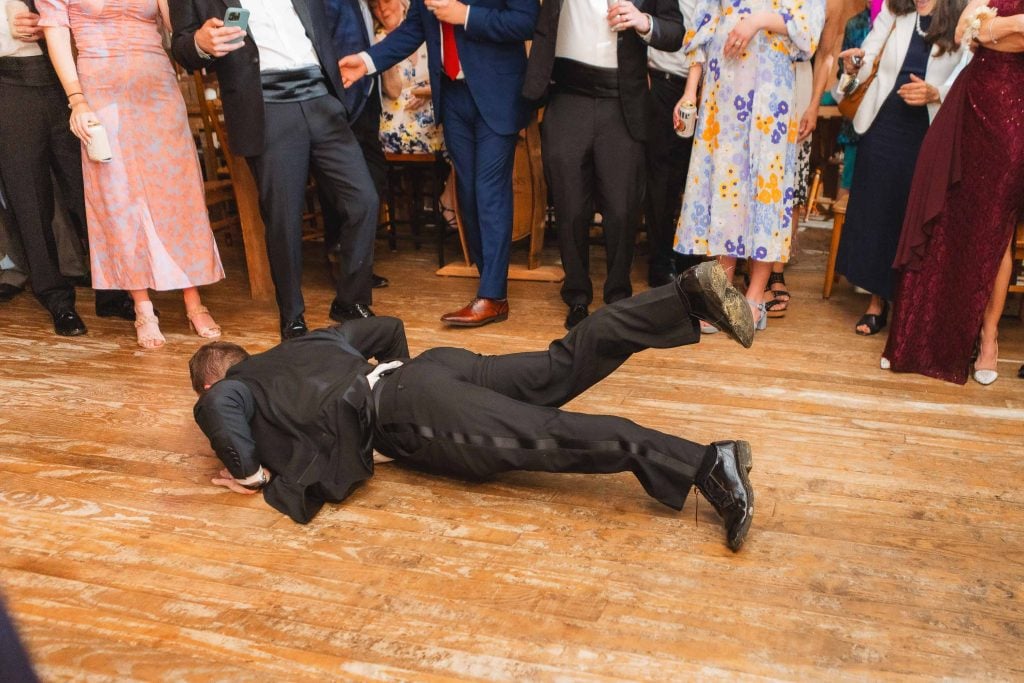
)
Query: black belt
[
  {"x": 294, "y": 85},
  {"x": 658, "y": 74},
  {"x": 578, "y": 78}
]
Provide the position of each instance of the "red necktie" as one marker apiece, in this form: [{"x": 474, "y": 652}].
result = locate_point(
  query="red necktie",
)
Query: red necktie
[{"x": 451, "y": 52}]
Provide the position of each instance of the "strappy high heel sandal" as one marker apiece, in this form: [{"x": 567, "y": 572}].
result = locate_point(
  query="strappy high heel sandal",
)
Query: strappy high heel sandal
[
  {"x": 210, "y": 331},
  {"x": 779, "y": 304},
  {"x": 875, "y": 322},
  {"x": 147, "y": 330},
  {"x": 761, "y": 316}
]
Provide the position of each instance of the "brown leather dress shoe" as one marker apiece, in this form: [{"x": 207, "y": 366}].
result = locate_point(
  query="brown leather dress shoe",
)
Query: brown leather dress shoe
[{"x": 479, "y": 312}]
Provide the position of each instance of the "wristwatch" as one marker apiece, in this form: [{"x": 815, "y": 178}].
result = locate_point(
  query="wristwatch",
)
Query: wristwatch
[{"x": 258, "y": 484}]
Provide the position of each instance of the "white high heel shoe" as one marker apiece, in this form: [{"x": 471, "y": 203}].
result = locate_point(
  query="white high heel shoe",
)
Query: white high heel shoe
[
  {"x": 884, "y": 363},
  {"x": 985, "y": 377}
]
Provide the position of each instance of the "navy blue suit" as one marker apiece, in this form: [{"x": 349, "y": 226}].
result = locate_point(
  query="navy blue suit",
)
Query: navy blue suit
[
  {"x": 349, "y": 35},
  {"x": 482, "y": 115}
]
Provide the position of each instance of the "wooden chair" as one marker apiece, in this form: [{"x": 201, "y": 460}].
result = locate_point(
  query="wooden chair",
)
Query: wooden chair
[
  {"x": 242, "y": 186},
  {"x": 838, "y": 218},
  {"x": 403, "y": 200}
]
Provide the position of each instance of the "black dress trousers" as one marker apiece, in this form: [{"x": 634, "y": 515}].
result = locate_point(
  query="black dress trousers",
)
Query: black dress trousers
[
  {"x": 35, "y": 137},
  {"x": 668, "y": 160},
  {"x": 457, "y": 412},
  {"x": 299, "y": 135},
  {"x": 592, "y": 163}
]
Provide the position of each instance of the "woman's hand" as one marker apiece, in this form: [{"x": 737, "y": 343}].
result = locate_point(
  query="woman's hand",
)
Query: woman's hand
[
  {"x": 917, "y": 93},
  {"x": 808, "y": 122},
  {"x": 740, "y": 36},
  {"x": 625, "y": 15},
  {"x": 416, "y": 102},
  {"x": 966, "y": 16},
  {"x": 847, "y": 58},
  {"x": 82, "y": 117}
]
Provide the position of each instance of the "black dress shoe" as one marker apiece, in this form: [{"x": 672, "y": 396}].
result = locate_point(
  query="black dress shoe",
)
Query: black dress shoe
[
  {"x": 727, "y": 487},
  {"x": 577, "y": 312},
  {"x": 378, "y": 281},
  {"x": 66, "y": 323},
  {"x": 294, "y": 328},
  {"x": 8, "y": 292},
  {"x": 712, "y": 298},
  {"x": 341, "y": 313},
  {"x": 117, "y": 306}
]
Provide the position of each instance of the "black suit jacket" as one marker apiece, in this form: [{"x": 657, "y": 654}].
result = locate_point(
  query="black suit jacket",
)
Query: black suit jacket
[
  {"x": 304, "y": 411},
  {"x": 239, "y": 71},
  {"x": 634, "y": 94}
]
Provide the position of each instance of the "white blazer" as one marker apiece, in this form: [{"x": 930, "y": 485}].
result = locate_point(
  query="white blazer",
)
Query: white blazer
[{"x": 940, "y": 72}]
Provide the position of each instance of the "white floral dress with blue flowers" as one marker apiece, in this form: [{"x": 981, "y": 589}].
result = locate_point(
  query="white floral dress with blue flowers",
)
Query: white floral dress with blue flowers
[{"x": 738, "y": 199}]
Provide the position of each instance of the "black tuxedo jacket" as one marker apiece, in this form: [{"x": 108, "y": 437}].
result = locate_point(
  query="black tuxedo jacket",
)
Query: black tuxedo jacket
[
  {"x": 303, "y": 410},
  {"x": 239, "y": 71},
  {"x": 634, "y": 93}
]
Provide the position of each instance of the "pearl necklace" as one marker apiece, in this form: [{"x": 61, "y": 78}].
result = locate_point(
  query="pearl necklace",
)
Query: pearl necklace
[{"x": 920, "y": 32}]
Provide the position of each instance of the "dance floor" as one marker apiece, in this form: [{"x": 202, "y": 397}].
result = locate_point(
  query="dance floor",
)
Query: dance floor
[{"x": 888, "y": 540}]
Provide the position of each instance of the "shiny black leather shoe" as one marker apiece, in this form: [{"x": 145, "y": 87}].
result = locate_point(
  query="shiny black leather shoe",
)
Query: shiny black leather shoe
[
  {"x": 118, "y": 306},
  {"x": 712, "y": 298},
  {"x": 341, "y": 313},
  {"x": 727, "y": 487},
  {"x": 378, "y": 281},
  {"x": 66, "y": 323},
  {"x": 577, "y": 312},
  {"x": 292, "y": 329}
]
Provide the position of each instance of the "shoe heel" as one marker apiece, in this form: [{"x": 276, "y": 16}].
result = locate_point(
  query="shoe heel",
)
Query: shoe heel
[
  {"x": 744, "y": 456},
  {"x": 762, "y": 320}
]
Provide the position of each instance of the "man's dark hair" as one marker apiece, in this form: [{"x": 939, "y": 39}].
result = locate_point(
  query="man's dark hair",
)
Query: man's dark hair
[
  {"x": 211, "y": 362},
  {"x": 945, "y": 16}
]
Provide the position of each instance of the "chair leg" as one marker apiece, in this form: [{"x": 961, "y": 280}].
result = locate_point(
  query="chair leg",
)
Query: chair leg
[{"x": 830, "y": 269}]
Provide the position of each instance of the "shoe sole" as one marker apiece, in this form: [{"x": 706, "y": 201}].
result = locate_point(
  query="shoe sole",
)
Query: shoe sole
[
  {"x": 714, "y": 280},
  {"x": 495, "y": 319},
  {"x": 745, "y": 460}
]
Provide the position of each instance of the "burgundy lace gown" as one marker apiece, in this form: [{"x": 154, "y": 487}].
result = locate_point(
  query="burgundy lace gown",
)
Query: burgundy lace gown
[{"x": 967, "y": 194}]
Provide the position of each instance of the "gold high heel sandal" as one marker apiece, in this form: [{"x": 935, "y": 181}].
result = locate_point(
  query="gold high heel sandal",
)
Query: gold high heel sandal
[
  {"x": 211, "y": 332},
  {"x": 150, "y": 338}
]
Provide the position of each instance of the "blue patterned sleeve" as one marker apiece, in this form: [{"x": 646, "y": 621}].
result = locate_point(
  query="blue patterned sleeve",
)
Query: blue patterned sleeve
[
  {"x": 706, "y": 16},
  {"x": 804, "y": 21}
]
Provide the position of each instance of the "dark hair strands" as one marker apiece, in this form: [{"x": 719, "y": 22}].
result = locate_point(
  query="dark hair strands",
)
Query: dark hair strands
[{"x": 945, "y": 16}]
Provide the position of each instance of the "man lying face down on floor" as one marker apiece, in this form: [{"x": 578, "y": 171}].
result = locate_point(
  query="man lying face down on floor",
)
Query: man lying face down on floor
[{"x": 312, "y": 410}]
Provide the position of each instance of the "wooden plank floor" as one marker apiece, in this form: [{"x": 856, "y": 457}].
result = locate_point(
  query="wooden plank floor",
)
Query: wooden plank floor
[{"x": 888, "y": 541}]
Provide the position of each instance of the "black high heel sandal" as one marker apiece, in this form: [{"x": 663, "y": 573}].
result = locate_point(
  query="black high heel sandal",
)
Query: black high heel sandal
[
  {"x": 779, "y": 303},
  {"x": 874, "y": 322}
]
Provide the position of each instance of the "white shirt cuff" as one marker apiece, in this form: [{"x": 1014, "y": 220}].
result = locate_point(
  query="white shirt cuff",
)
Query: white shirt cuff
[
  {"x": 650, "y": 31},
  {"x": 371, "y": 68},
  {"x": 465, "y": 25},
  {"x": 199, "y": 50},
  {"x": 381, "y": 368},
  {"x": 252, "y": 478}
]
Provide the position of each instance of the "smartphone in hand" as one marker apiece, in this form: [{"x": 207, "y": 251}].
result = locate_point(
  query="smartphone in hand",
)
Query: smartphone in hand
[{"x": 237, "y": 16}]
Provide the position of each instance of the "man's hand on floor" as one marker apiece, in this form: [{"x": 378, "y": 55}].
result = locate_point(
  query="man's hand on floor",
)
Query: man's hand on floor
[{"x": 225, "y": 479}]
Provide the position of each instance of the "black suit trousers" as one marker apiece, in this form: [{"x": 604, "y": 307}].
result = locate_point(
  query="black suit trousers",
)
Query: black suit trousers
[
  {"x": 668, "y": 160},
  {"x": 35, "y": 138},
  {"x": 299, "y": 135},
  {"x": 366, "y": 128},
  {"x": 593, "y": 163},
  {"x": 461, "y": 413}
]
